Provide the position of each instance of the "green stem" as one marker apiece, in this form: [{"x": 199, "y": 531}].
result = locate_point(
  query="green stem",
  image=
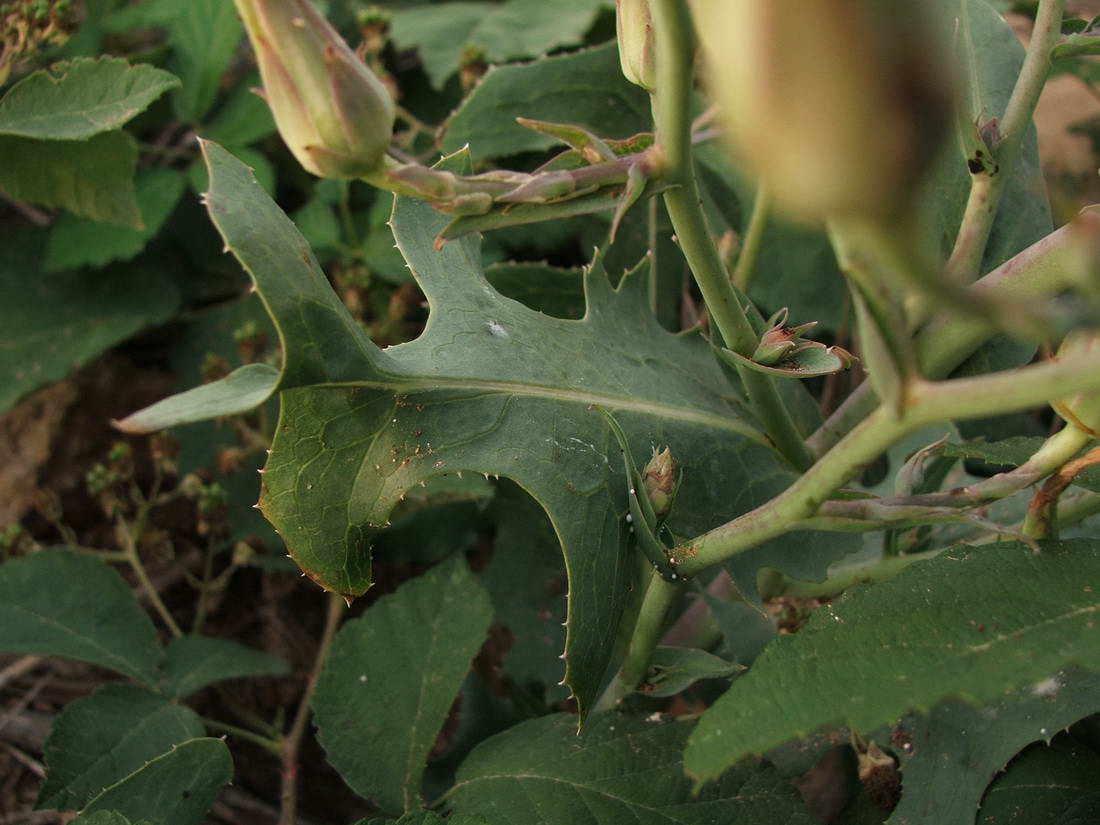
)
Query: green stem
[
  {"x": 264, "y": 742},
  {"x": 1043, "y": 269},
  {"x": 986, "y": 190},
  {"x": 129, "y": 547},
  {"x": 754, "y": 236},
  {"x": 675, "y": 55},
  {"x": 659, "y": 598},
  {"x": 928, "y": 403}
]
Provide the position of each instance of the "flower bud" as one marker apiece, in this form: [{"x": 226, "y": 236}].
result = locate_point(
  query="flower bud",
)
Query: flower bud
[
  {"x": 334, "y": 114},
  {"x": 838, "y": 104},
  {"x": 781, "y": 341},
  {"x": 637, "y": 50},
  {"x": 659, "y": 478}
]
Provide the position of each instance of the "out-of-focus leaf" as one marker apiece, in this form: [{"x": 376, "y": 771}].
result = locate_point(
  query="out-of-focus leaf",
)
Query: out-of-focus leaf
[
  {"x": 204, "y": 35},
  {"x": 942, "y": 628},
  {"x": 193, "y": 662},
  {"x": 81, "y": 98},
  {"x": 391, "y": 678},
  {"x": 496, "y": 31},
  {"x": 618, "y": 769},
  {"x": 58, "y": 603},
  {"x": 54, "y": 323},
  {"x": 98, "y": 741},
  {"x": 176, "y": 788},
  {"x": 92, "y": 178},
  {"x": 76, "y": 242},
  {"x": 584, "y": 88}
]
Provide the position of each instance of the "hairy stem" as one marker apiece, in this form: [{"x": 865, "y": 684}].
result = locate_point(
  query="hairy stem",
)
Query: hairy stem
[
  {"x": 130, "y": 548},
  {"x": 292, "y": 742},
  {"x": 675, "y": 56}
]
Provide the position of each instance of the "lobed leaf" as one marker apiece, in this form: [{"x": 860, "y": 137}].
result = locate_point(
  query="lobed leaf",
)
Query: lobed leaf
[
  {"x": 58, "y": 603},
  {"x": 491, "y": 387},
  {"x": 942, "y": 628},
  {"x": 391, "y": 678},
  {"x": 948, "y": 756},
  {"x": 99, "y": 741}
]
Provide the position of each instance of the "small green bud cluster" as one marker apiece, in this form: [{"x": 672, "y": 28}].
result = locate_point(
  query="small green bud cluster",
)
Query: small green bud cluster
[
  {"x": 660, "y": 480},
  {"x": 332, "y": 111}
]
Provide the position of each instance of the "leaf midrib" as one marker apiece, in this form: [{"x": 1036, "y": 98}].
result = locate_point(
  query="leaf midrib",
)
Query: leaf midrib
[{"x": 617, "y": 402}]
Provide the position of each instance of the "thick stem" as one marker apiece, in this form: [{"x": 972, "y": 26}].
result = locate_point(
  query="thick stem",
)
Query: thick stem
[
  {"x": 659, "y": 598},
  {"x": 675, "y": 55},
  {"x": 928, "y": 403},
  {"x": 292, "y": 742},
  {"x": 1043, "y": 269},
  {"x": 986, "y": 190},
  {"x": 754, "y": 237}
]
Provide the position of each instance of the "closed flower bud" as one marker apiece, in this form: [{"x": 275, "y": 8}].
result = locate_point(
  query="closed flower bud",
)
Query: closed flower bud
[
  {"x": 837, "y": 104},
  {"x": 334, "y": 114},
  {"x": 637, "y": 54},
  {"x": 659, "y": 478},
  {"x": 781, "y": 341}
]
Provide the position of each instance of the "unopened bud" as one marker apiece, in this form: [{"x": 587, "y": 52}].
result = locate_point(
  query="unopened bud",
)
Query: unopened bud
[
  {"x": 781, "y": 341},
  {"x": 838, "y": 104},
  {"x": 659, "y": 478},
  {"x": 637, "y": 51},
  {"x": 333, "y": 113}
]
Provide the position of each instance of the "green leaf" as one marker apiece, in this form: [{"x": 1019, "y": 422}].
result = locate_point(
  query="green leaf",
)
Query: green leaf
[
  {"x": 103, "y": 818},
  {"x": 675, "y": 669},
  {"x": 526, "y": 581},
  {"x": 617, "y": 770},
  {"x": 98, "y": 741},
  {"x": 176, "y": 788},
  {"x": 585, "y": 88},
  {"x": 242, "y": 390},
  {"x": 505, "y": 31},
  {"x": 1086, "y": 811},
  {"x": 541, "y": 287},
  {"x": 76, "y": 242},
  {"x": 490, "y": 387},
  {"x": 81, "y": 98},
  {"x": 392, "y": 677},
  {"x": 1013, "y": 452},
  {"x": 427, "y": 818},
  {"x": 193, "y": 662},
  {"x": 942, "y": 628},
  {"x": 91, "y": 178},
  {"x": 948, "y": 756},
  {"x": 58, "y": 603},
  {"x": 1041, "y": 784},
  {"x": 53, "y": 324},
  {"x": 204, "y": 35},
  {"x": 244, "y": 118}
]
